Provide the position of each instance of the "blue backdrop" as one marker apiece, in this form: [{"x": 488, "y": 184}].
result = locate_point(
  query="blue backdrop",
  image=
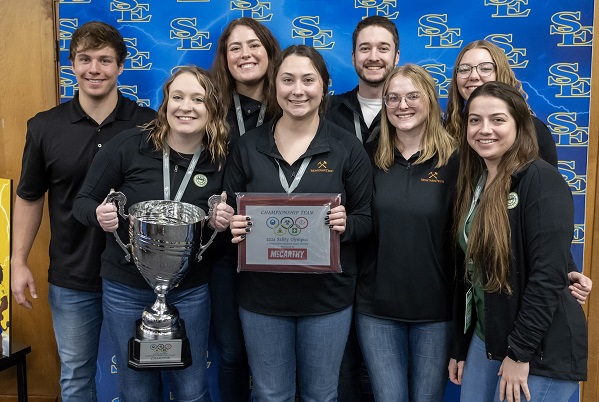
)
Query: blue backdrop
[{"x": 547, "y": 42}]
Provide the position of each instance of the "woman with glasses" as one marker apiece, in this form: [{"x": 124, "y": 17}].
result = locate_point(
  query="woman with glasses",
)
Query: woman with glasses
[
  {"x": 482, "y": 61},
  {"x": 403, "y": 299},
  {"x": 479, "y": 62}
]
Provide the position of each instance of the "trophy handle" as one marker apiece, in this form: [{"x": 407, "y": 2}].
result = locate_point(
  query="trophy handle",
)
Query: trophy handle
[
  {"x": 212, "y": 202},
  {"x": 120, "y": 199},
  {"x": 203, "y": 247}
]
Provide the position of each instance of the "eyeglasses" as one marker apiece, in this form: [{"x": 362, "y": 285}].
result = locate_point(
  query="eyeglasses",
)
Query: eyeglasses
[
  {"x": 393, "y": 100},
  {"x": 484, "y": 69}
]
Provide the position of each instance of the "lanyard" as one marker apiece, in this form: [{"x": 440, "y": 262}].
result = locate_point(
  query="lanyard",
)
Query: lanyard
[
  {"x": 479, "y": 189},
  {"x": 298, "y": 176},
  {"x": 357, "y": 126},
  {"x": 166, "y": 175},
  {"x": 239, "y": 114},
  {"x": 358, "y": 129}
]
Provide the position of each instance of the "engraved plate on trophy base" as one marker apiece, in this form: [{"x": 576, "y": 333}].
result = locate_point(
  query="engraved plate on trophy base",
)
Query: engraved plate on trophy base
[{"x": 160, "y": 353}]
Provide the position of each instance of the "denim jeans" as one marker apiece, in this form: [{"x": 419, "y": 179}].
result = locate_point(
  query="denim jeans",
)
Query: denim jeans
[
  {"x": 123, "y": 305},
  {"x": 280, "y": 347},
  {"x": 350, "y": 374},
  {"x": 233, "y": 369},
  {"x": 480, "y": 381},
  {"x": 77, "y": 320},
  {"x": 405, "y": 361}
]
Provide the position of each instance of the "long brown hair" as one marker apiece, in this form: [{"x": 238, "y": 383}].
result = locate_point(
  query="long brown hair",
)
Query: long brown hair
[
  {"x": 489, "y": 239},
  {"x": 220, "y": 70},
  {"x": 435, "y": 140},
  {"x": 216, "y": 139},
  {"x": 455, "y": 102}
]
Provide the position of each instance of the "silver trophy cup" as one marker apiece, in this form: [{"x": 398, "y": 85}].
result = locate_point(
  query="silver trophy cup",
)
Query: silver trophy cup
[{"x": 165, "y": 238}]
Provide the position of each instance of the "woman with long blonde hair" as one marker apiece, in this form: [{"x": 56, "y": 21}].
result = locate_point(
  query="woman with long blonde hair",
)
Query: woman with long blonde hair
[{"x": 403, "y": 300}]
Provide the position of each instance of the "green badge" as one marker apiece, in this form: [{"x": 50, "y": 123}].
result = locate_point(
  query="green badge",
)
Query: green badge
[
  {"x": 512, "y": 200},
  {"x": 200, "y": 180}
]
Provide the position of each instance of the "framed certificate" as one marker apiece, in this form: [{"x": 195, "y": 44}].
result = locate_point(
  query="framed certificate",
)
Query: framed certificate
[{"x": 289, "y": 233}]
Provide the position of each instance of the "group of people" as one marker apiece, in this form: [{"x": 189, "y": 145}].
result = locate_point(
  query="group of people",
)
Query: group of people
[{"x": 454, "y": 234}]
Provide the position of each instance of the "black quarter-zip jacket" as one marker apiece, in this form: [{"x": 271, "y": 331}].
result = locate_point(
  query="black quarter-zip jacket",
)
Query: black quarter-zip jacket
[
  {"x": 540, "y": 321},
  {"x": 252, "y": 167},
  {"x": 130, "y": 164}
]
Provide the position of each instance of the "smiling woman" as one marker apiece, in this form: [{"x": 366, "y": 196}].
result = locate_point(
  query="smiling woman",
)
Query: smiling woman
[
  {"x": 519, "y": 334},
  {"x": 479, "y": 62},
  {"x": 186, "y": 113},
  {"x": 299, "y": 323},
  {"x": 190, "y": 120}
]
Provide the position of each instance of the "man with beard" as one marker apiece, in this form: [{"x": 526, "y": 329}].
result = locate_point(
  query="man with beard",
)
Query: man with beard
[{"x": 375, "y": 53}]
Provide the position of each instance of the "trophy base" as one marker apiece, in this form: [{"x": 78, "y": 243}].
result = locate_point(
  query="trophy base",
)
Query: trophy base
[{"x": 159, "y": 354}]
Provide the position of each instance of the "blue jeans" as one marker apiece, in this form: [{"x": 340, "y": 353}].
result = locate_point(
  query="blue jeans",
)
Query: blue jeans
[
  {"x": 77, "y": 320},
  {"x": 405, "y": 361},
  {"x": 480, "y": 381},
  {"x": 279, "y": 347},
  {"x": 233, "y": 369},
  {"x": 123, "y": 305}
]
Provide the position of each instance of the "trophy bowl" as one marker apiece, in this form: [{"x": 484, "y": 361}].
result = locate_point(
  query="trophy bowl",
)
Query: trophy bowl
[{"x": 165, "y": 239}]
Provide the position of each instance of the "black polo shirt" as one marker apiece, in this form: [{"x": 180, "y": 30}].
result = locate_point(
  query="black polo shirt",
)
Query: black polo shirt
[
  {"x": 409, "y": 271},
  {"x": 59, "y": 147},
  {"x": 252, "y": 167}
]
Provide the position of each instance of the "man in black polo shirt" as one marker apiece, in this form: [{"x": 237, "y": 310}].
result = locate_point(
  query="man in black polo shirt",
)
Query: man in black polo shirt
[
  {"x": 59, "y": 148},
  {"x": 375, "y": 53}
]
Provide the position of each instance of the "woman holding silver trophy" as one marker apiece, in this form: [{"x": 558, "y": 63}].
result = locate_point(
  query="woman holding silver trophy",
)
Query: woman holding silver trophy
[{"x": 185, "y": 149}]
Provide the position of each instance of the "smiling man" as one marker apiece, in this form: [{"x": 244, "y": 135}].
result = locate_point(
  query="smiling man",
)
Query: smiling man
[
  {"x": 60, "y": 145},
  {"x": 375, "y": 53}
]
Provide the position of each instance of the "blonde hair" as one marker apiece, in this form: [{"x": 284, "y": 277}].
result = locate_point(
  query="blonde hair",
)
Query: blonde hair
[
  {"x": 435, "y": 140},
  {"x": 216, "y": 140}
]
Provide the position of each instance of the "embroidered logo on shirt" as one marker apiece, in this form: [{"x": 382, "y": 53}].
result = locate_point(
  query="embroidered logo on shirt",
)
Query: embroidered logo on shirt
[
  {"x": 433, "y": 177},
  {"x": 321, "y": 168},
  {"x": 200, "y": 180},
  {"x": 512, "y": 200}
]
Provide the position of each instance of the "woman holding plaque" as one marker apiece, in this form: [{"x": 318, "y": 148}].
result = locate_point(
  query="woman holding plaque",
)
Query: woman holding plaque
[
  {"x": 185, "y": 148},
  {"x": 405, "y": 332},
  {"x": 243, "y": 72},
  {"x": 519, "y": 333},
  {"x": 297, "y": 323},
  {"x": 482, "y": 61}
]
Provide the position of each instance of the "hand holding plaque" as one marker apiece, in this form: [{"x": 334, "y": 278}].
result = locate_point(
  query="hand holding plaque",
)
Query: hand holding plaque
[{"x": 289, "y": 233}]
